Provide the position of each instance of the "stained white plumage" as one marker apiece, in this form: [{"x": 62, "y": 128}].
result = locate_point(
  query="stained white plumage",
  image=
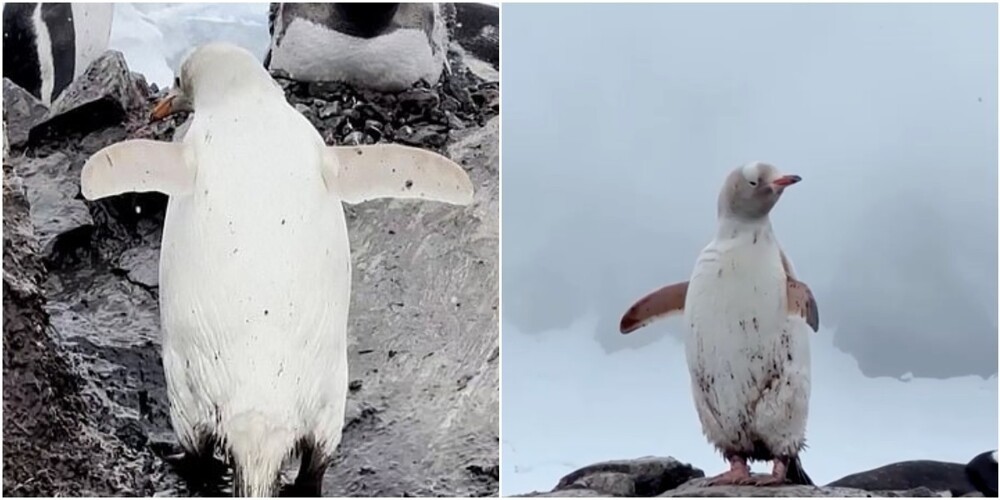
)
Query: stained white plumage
[
  {"x": 740, "y": 329},
  {"x": 748, "y": 345},
  {"x": 255, "y": 268}
]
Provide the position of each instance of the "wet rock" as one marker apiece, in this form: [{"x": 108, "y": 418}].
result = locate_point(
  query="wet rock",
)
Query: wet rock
[
  {"x": 103, "y": 96},
  {"x": 21, "y": 112},
  {"x": 52, "y": 187},
  {"x": 141, "y": 265},
  {"x": 52, "y": 443},
  {"x": 937, "y": 476}
]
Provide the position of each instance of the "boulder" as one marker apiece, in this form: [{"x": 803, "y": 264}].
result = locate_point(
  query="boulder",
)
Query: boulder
[{"x": 937, "y": 476}]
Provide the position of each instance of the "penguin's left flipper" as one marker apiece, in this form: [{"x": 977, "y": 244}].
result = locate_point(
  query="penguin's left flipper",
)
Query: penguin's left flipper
[
  {"x": 664, "y": 302},
  {"x": 137, "y": 166},
  {"x": 802, "y": 303},
  {"x": 362, "y": 173}
]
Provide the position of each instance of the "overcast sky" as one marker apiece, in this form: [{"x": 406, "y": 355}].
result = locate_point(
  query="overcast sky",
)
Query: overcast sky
[{"x": 620, "y": 123}]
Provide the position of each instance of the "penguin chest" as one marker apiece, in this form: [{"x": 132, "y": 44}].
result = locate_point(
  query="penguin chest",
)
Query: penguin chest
[
  {"x": 392, "y": 61},
  {"x": 736, "y": 310}
]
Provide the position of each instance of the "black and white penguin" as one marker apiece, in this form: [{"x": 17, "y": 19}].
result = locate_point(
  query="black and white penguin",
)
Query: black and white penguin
[
  {"x": 47, "y": 45},
  {"x": 382, "y": 46},
  {"x": 982, "y": 473}
]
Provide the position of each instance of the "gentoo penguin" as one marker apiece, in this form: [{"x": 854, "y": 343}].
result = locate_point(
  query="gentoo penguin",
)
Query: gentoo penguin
[
  {"x": 255, "y": 265},
  {"x": 748, "y": 347},
  {"x": 982, "y": 473},
  {"x": 381, "y": 46},
  {"x": 47, "y": 45}
]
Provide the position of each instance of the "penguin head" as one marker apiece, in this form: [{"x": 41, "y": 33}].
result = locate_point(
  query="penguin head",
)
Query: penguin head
[
  {"x": 752, "y": 190},
  {"x": 211, "y": 73}
]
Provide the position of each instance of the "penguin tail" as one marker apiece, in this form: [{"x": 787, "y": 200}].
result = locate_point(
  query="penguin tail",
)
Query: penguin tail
[
  {"x": 796, "y": 474},
  {"x": 259, "y": 444}
]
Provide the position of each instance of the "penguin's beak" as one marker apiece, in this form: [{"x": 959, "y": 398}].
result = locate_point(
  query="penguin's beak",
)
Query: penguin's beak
[
  {"x": 174, "y": 102},
  {"x": 786, "y": 180}
]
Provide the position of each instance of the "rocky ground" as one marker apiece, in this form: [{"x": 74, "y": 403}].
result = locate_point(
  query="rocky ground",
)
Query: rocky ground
[
  {"x": 85, "y": 409},
  {"x": 668, "y": 477}
]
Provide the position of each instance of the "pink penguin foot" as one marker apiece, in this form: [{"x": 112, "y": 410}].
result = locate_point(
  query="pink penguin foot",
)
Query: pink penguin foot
[
  {"x": 764, "y": 480},
  {"x": 738, "y": 473}
]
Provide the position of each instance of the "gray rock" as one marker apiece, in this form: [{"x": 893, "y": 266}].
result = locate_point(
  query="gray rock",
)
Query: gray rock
[
  {"x": 52, "y": 186},
  {"x": 142, "y": 265},
  {"x": 104, "y": 95},
  {"x": 574, "y": 492},
  {"x": 21, "y": 112},
  {"x": 911, "y": 474},
  {"x": 644, "y": 477},
  {"x": 697, "y": 488}
]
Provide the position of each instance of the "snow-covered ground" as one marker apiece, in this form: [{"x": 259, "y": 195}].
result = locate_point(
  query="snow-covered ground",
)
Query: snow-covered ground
[
  {"x": 154, "y": 37},
  {"x": 566, "y": 404}
]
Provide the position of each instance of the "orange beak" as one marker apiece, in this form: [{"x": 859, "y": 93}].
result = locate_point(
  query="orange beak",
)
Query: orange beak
[
  {"x": 163, "y": 108},
  {"x": 786, "y": 180}
]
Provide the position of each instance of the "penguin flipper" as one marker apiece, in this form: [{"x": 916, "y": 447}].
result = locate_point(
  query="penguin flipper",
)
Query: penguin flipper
[
  {"x": 802, "y": 303},
  {"x": 664, "y": 302},
  {"x": 137, "y": 166},
  {"x": 362, "y": 173}
]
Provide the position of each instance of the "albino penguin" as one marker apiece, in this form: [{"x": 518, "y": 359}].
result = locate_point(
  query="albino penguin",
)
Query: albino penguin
[
  {"x": 749, "y": 319},
  {"x": 255, "y": 266}
]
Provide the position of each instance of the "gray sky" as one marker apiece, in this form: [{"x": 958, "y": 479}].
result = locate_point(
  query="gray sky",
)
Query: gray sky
[{"x": 621, "y": 122}]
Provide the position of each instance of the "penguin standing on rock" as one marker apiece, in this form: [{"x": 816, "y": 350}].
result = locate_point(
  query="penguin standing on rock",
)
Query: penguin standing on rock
[
  {"x": 47, "y": 45},
  {"x": 382, "y": 46},
  {"x": 749, "y": 320}
]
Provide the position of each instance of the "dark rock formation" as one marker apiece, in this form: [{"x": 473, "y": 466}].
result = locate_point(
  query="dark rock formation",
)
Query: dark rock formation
[
  {"x": 82, "y": 366},
  {"x": 58, "y": 439},
  {"x": 938, "y": 476},
  {"x": 667, "y": 477}
]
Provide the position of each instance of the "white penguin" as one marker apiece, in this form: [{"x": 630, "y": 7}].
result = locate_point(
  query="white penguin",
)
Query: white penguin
[
  {"x": 255, "y": 267},
  {"x": 748, "y": 347},
  {"x": 48, "y": 45},
  {"x": 382, "y": 46}
]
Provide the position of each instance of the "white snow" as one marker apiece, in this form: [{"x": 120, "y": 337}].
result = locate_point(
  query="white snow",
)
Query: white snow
[
  {"x": 155, "y": 37},
  {"x": 567, "y": 404}
]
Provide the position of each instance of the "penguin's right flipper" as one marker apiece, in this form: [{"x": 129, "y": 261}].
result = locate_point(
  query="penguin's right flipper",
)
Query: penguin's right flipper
[
  {"x": 362, "y": 173},
  {"x": 137, "y": 166},
  {"x": 664, "y": 302}
]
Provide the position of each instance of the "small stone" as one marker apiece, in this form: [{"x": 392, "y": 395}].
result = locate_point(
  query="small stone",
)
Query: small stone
[
  {"x": 354, "y": 385},
  {"x": 418, "y": 99},
  {"x": 302, "y": 108},
  {"x": 355, "y": 138},
  {"x": 330, "y": 110},
  {"x": 353, "y": 115},
  {"x": 374, "y": 129}
]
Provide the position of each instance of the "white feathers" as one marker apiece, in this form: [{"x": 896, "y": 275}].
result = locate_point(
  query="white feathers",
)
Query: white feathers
[
  {"x": 361, "y": 173},
  {"x": 749, "y": 361},
  {"x": 390, "y": 62},
  {"x": 137, "y": 166}
]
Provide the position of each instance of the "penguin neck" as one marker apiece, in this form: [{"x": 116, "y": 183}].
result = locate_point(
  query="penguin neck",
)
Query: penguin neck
[{"x": 732, "y": 227}]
